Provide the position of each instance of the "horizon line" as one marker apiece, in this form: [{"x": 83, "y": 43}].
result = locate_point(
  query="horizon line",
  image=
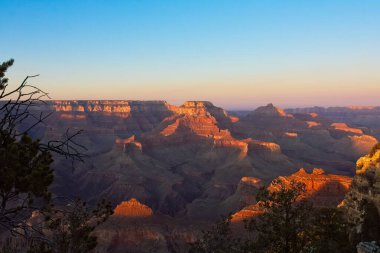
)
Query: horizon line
[{"x": 231, "y": 108}]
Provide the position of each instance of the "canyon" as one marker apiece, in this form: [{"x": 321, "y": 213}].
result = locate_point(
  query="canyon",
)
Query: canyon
[
  {"x": 322, "y": 190},
  {"x": 170, "y": 171},
  {"x": 364, "y": 117}
]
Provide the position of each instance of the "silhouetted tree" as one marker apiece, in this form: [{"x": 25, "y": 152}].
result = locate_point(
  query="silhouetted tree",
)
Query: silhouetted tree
[
  {"x": 329, "y": 232},
  {"x": 25, "y": 175},
  {"x": 219, "y": 239},
  {"x": 68, "y": 229},
  {"x": 25, "y": 163},
  {"x": 289, "y": 224},
  {"x": 284, "y": 225}
]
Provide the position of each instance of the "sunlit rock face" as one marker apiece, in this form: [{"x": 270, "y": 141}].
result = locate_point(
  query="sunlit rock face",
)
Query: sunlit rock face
[
  {"x": 361, "y": 144},
  {"x": 366, "y": 118},
  {"x": 134, "y": 227},
  {"x": 307, "y": 138},
  {"x": 105, "y": 117},
  {"x": 323, "y": 190},
  {"x": 256, "y": 146},
  {"x": 107, "y": 106},
  {"x": 362, "y": 202},
  {"x": 132, "y": 209},
  {"x": 156, "y": 234},
  {"x": 180, "y": 159},
  {"x": 174, "y": 159},
  {"x": 326, "y": 190},
  {"x": 246, "y": 213},
  {"x": 190, "y": 163},
  {"x": 202, "y": 108},
  {"x": 345, "y": 128},
  {"x": 268, "y": 111}
]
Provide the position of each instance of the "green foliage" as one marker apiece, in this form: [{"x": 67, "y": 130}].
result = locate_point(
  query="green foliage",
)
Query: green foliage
[
  {"x": 3, "y": 68},
  {"x": 24, "y": 168},
  {"x": 329, "y": 232},
  {"x": 288, "y": 225},
  {"x": 285, "y": 224},
  {"x": 71, "y": 229},
  {"x": 19, "y": 244},
  {"x": 68, "y": 229},
  {"x": 218, "y": 240},
  {"x": 25, "y": 175}
]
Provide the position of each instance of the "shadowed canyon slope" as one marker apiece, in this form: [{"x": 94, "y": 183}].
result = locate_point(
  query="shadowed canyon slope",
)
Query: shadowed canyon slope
[
  {"x": 167, "y": 166},
  {"x": 187, "y": 161},
  {"x": 365, "y": 117}
]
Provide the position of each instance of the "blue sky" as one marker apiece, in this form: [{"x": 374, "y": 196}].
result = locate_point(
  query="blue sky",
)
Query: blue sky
[{"x": 237, "y": 54}]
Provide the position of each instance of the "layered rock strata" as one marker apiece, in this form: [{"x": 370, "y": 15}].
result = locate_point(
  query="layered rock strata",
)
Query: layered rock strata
[
  {"x": 322, "y": 190},
  {"x": 362, "y": 203}
]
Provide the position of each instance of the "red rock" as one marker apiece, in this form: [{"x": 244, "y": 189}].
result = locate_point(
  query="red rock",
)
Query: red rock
[
  {"x": 321, "y": 189},
  {"x": 133, "y": 209},
  {"x": 344, "y": 127},
  {"x": 268, "y": 111}
]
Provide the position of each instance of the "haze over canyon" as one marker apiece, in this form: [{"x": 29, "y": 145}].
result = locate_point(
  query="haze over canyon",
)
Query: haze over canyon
[{"x": 176, "y": 168}]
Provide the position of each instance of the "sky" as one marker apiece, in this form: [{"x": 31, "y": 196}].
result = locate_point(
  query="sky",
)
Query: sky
[{"x": 237, "y": 54}]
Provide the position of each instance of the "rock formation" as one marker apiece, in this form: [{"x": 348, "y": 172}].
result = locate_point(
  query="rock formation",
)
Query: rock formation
[
  {"x": 362, "y": 203},
  {"x": 180, "y": 160},
  {"x": 366, "y": 118},
  {"x": 323, "y": 190},
  {"x": 194, "y": 162},
  {"x": 268, "y": 111},
  {"x": 307, "y": 137},
  {"x": 133, "y": 209}
]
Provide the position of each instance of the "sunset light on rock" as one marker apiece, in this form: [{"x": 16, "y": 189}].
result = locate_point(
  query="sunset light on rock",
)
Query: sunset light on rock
[{"x": 198, "y": 126}]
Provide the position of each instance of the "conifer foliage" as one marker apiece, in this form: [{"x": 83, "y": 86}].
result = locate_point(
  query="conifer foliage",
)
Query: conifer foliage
[{"x": 28, "y": 213}]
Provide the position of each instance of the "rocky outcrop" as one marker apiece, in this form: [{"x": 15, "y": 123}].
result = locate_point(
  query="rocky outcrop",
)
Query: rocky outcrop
[
  {"x": 362, "y": 202},
  {"x": 128, "y": 144},
  {"x": 202, "y": 108},
  {"x": 246, "y": 213},
  {"x": 192, "y": 162},
  {"x": 159, "y": 233},
  {"x": 323, "y": 190},
  {"x": 257, "y": 147},
  {"x": 268, "y": 111},
  {"x": 105, "y": 120},
  {"x": 307, "y": 137},
  {"x": 179, "y": 159},
  {"x": 366, "y": 118},
  {"x": 247, "y": 189},
  {"x": 361, "y": 143},
  {"x": 107, "y": 106},
  {"x": 133, "y": 209},
  {"x": 345, "y": 128},
  {"x": 188, "y": 161}
]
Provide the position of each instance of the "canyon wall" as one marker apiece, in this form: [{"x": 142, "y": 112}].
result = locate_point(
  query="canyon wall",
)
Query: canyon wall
[
  {"x": 164, "y": 167},
  {"x": 362, "y": 203}
]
